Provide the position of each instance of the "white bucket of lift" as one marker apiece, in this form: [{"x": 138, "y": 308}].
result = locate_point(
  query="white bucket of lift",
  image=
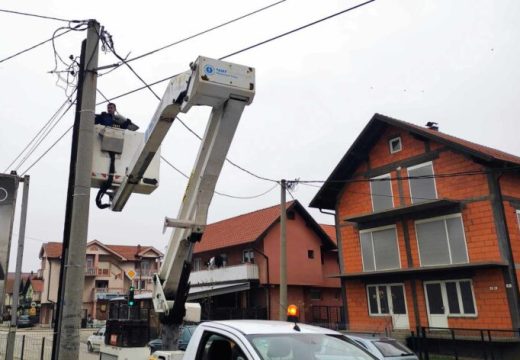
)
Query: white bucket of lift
[{"x": 132, "y": 141}]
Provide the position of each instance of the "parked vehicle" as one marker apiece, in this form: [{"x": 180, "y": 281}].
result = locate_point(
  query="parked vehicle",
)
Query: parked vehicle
[
  {"x": 182, "y": 344},
  {"x": 24, "y": 321},
  {"x": 266, "y": 339},
  {"x": 384, "y": 348},
  {"x": 95, "y": 340}
]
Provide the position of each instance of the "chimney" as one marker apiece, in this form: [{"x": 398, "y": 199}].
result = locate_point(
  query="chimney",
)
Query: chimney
[{"x": 432, "y": 125}]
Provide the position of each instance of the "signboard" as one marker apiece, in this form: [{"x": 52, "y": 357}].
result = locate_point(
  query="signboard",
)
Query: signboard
[
  {"x": 131, "y": 274},
  {"x": 8, "y": 190}
]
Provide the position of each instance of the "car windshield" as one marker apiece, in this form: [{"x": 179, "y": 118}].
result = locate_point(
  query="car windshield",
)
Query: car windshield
[
  {"x": 24, "y": 317},
  {"x": 306, "y": 347},
  {"x": 389, "y": 347}
]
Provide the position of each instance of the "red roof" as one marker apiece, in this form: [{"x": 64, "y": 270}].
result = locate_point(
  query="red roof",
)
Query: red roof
[
  {"x": 485, "y": 150},
  {"x": 330, "y": 230},
  {"x": 9, "y": 283},
  {"x": 238, "y": 230},
  {"x": 37, "y": 285},
  {"x": 128, "y": 252}
]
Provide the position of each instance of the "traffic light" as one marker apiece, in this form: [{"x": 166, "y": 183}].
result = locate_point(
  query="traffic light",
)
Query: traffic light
[{"x": 131, "y": 301}]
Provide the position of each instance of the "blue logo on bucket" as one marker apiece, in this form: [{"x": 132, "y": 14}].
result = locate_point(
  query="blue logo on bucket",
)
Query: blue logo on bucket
[{"x": 209, "y": 70}]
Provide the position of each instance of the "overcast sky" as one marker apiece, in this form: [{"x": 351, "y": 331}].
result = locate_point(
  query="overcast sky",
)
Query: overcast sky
[{"x": 454, "y": 62}]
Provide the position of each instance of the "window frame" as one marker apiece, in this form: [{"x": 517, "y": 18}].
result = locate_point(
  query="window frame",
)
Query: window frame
[
  {"x": 444, "y": 294},
  {"x": 388, "y": 296},
  {"x": 413, "y": 167},
  {"x": 437, "y": 218},
  {"x": 400, "y": 144},
  {"x": 251, "y": 253},
  {"x": 387, "y": 175},
  {"x": 380, "y": 228}
]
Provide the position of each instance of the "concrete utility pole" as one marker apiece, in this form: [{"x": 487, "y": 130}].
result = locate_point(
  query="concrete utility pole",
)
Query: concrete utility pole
[
  {"x": 68, "y": 321},
  {"x": 18, "y": 272},
  {"x": 283, "y": 254}
]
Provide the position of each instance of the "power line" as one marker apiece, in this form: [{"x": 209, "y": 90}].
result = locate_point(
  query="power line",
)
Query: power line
[
  {"x": 45, "y": 153},
  {"x": 48, "y": 131},
  {"x": 38, "y": 16},
  {"x": 245, "y": 49},
  {"x": 297, "y": 29},
  {"x": 34, "y": 46},
  {"x": 37, "y": 134},
  {"x": 190, "y": 37},
  {"x": 220, "y": 193}
]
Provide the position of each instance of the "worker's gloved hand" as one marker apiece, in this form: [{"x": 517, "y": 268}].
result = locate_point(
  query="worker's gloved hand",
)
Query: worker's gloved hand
[{"x": 128, "y": 124}]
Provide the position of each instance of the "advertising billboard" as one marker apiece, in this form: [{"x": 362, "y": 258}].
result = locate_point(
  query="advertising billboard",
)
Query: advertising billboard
[{"x": 8, "y": 190}]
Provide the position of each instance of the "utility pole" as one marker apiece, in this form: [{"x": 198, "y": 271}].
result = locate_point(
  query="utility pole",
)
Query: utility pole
[
  {"x": 72, "y": 272},
  {"x": 283, "y": 254},
  {"x": 18, "y": 272}
]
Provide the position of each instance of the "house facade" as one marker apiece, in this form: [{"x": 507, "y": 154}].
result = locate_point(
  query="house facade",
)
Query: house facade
[
  {"x": 236, "y": 267},
  {"x": 107, "y": 275},
  {"x": 428, "y": 230}
]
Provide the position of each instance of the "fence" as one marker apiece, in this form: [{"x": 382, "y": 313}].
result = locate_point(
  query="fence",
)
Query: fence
[
  {"x": 432, "y": 343},
  {"x": 326, "y": 316},
  {"x": 29, "y": 345}
]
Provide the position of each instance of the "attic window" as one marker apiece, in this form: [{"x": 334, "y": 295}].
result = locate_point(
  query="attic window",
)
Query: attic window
[
  {"x": 395, "y": 145},
  {"x": 290, "y": 215},
  {"x": 310, "y": 254}
]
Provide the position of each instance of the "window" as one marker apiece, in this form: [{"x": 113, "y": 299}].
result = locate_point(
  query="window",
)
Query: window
[
  {"x": 451, "y": 297},
  {"x": 291, "y": 215},
  {"x": 310, "y": 254},
  {"x": 197, "y": 264},
  {"x": 386, "y": 299},
  {"x": 379, "y": 249},
  {"x": 441, "y": 241},
  {"x": 315, "y": 294},
  {"x": 395, "y": 145},
  {"x": 248, "y": 256},
  {"x": 381, "y": 192},
  {"x": 423, "y": 188},
  {"x": 216, "y": 346}
]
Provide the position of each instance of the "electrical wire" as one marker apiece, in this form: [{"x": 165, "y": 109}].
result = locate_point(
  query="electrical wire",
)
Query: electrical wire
[
  {"x": 34, "y": 46},
  {"x": 190, "y": 37},
  {"x": 220, "y": 193},
  {"x": 46, "y": 151},
  {"x": 245, "y": 49},
  {"x": 297, "y": 29},
  {"x": 43, "y": 137},
  {"x": 36, "y": 15},
  {"x": 37, "y": 134}
]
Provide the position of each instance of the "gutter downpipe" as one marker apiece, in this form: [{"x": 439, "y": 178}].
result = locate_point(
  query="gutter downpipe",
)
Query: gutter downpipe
[
  {"x": 268, "y": 283},
  {"x": 341, "y": 267}
]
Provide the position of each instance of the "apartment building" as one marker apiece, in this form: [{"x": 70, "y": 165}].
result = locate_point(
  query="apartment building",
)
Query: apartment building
[{"x": 106, "y": 275}]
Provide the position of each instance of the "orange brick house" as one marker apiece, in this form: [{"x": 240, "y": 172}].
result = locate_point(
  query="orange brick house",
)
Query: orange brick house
[
  {"x": 247, "y": 283},
  {"x": 428, "y": 229}
]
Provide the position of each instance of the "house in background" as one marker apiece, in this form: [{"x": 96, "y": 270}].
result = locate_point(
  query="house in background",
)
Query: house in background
[
  {"x": 9, "y": 292},
  {"x": 243, "y": 277},
  {"x": 428, "y": 229},
  {"x": 106, "y": 275}
]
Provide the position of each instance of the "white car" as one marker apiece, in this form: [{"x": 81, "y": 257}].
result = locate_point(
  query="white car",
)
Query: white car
[
  {"x": 384, "y": 348},
  {"x": 95, "y": 340}
]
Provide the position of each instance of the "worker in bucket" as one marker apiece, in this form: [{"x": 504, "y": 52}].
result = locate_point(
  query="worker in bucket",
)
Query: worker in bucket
[{"x": 112, "y": 118}]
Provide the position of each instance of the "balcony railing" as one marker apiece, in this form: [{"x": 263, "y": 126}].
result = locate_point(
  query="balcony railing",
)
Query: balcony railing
[
  {"x": 243, "y": 272},
  {"x": 107, "y": 293},
  {"x": 144, "y": 273},
  {"x": 90, "y": 271}
]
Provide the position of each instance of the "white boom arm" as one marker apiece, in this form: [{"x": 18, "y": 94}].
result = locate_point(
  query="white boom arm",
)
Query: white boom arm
[{"x": 227, "y": 88}]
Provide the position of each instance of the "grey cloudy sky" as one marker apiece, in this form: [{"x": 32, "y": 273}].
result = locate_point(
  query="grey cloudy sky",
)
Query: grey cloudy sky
[{"x": 452, "y": 62}]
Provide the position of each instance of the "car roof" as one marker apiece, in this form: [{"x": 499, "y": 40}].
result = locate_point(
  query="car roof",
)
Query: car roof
[{"x": 253, "y": 327}]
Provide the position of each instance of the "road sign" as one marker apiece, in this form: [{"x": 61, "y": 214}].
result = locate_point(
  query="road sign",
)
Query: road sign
[{"x": 131, "y": 274}]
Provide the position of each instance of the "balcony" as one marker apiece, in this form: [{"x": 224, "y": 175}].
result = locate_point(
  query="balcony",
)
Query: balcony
[
  {"x": 242, "y": 272},
  {"x": 144, "y": 273},
  {"x": 90, "y": 271},
  {"x": 107, "y": 293}
]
